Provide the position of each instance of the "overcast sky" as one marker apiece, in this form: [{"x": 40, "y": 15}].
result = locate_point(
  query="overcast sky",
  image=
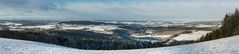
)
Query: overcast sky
[{"x": 174, "y": 10}]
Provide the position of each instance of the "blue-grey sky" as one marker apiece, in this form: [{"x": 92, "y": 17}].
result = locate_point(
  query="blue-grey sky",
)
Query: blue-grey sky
[{"x": 174, "y": 10}]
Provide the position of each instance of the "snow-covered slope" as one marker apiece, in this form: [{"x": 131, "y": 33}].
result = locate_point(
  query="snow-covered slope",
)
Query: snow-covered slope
[
  {"x": 221, "y": 46},
  {"x": 191, "y": 36}
]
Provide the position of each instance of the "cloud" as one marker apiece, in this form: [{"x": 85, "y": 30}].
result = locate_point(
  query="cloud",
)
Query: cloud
[
  {"x": 30, "y": 9},
  {"x": 155, "y": 10},
  {"x": 118, "y": 9},
  {"x": 28, "y": 4}
]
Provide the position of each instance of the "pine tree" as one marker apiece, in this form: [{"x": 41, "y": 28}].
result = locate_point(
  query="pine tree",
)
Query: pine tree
[{"x": 236, "y": 12}]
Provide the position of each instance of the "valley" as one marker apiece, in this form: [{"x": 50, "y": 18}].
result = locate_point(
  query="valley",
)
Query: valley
[{"x": 105, "y": 34}]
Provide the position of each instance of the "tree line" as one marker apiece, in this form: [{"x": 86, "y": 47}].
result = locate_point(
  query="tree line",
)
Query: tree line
[
  {"x": 230, "y": 27},
  {"x": 78, "y": 39}
]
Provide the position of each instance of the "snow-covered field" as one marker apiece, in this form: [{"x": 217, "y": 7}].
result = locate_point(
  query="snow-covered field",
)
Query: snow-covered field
[
  {"x": 153, "y": 36},
  {"x": 39, "y": 26},
  {"x": 221, "y": 46},
  {"x": 149, "y": 23},
  {"x": 203, "y": 26},
  {"x": 191, "y": 36},
  {"x": 92, "y": 27},
  {"x": 10, "y": 23},
  {"x": 195, "y": 35}
]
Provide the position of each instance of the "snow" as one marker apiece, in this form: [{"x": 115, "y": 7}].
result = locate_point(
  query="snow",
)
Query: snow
[
  {"x": 191, "y": 36},
  {"x": 10, "y": 23},
  {"x": 221, "y": 46},
  {"x": 203, "y": 26},
  {"x": 39, "y": 26},
  {"x": 73, "y": 27},
  {"x": 155, "y": 24},
  {"x": 153, "y": 36},
  {"x": 92, "y": 27}
]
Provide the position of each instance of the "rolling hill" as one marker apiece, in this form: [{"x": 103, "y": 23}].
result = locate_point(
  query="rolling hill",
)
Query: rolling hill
[{"x": 228, "y": 45}]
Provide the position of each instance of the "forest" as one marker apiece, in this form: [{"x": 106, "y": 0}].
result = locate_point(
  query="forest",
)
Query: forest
[
  {"x": 230, "y": 27},
  {"x": 79, "y": 39}
]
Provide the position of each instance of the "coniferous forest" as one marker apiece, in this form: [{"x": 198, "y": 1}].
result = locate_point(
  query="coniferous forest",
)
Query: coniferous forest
[
  {"x": 230, "y": 27},
  {"x": 78, "y": 39}
]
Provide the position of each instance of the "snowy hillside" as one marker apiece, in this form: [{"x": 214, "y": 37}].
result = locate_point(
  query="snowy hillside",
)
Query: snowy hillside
[
  {"x": 222, "y": 46},
  {"x": 191, "y": 36}
]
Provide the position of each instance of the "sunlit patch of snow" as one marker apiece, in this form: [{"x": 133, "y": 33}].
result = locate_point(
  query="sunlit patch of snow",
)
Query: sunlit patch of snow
[
  {"x": 92, "y": 27},
  {"x": 219, "y": 26},
  {"x": 154, "y": 36},
  {"x": 38, "y": 26},
  {"x": 203, "y": 26},
  {"x": 111, "y": 22},
  {"x": 10, "y": 24},
  {"x": 191, "y": 36},
  {"x": 150, "y": 40},
  {"x": 157, "y": 38},
  {"x": 155, "y": 24}
]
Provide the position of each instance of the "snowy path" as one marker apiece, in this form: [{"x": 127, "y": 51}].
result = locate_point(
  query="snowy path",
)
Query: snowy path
[{"x": 222, "y": 46}]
